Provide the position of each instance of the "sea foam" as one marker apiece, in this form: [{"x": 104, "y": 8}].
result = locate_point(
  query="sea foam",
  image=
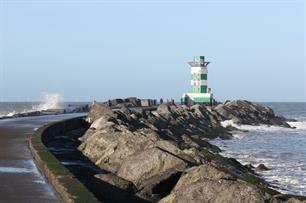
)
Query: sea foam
[
  {"x": 300, "y": 125},
  {"x": 50, "y": 101}
]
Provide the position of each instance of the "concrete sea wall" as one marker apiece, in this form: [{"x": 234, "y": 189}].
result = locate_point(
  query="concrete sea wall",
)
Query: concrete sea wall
[{"x": 63, "y": 181}]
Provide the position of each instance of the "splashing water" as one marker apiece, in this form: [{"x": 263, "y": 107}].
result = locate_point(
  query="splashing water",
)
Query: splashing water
[
  {"x": 280, "y": 149},
  {"x": 50, "y": 101}
]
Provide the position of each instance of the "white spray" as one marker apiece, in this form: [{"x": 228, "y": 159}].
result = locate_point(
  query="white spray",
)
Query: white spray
[{"x": 50, "y": 101}]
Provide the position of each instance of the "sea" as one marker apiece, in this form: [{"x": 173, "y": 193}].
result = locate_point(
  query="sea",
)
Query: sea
[
  {"x": 282, "y": 150},
  {"x": 48, "y": 101},
  {"x": 10, "y": 109}
]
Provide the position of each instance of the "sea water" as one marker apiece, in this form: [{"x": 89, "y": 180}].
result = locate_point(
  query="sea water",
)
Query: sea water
[
  {"x": 281, "y": 149},
  {"x": 9, "y": 109},
  {"x": 49, "y": 101}
]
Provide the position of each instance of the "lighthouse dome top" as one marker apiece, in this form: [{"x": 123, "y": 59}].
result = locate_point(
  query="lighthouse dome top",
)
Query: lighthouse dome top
[{"x": 198, "y": 61}]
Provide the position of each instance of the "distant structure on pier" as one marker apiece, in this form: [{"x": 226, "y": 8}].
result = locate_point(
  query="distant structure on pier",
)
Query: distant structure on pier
[{"x": 200, "y": 93}]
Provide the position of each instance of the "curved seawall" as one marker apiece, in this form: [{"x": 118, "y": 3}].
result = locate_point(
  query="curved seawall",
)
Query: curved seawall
[
  {"x": 64, "y": 182},
  {"x": 21, "y": 181}
]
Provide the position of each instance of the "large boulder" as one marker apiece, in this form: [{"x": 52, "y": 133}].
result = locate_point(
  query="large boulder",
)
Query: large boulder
[
  {"x": 101, "y": 123},
  {"x": 150, "y": 163},
  {"x": 164, "y": 111},
  {"x": 133, "y": 100},
  {"x": 97, "y": 111},
  {"x": 115, "y": 102},
  {"x": 110, "y": 146},
  {"x": 207, "y": 184},
  {"x": 262, "y": 167}
]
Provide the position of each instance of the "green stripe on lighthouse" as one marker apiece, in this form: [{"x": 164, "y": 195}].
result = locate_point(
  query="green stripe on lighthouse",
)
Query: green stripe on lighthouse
[
  {"x": 199, "y": 89},
  {"x": 202, "y": 99},
  {"x": 203, "y": 76},
  {"x": 203, "y": 88},
  {"x": 195, "y": 76}
]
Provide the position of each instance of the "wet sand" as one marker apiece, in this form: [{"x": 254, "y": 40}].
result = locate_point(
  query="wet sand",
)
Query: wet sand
[{"x": 20, "y": 180}]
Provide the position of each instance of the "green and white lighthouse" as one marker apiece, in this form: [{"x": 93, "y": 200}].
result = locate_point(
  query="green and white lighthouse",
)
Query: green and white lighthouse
[{"x": 200, "y": 93}]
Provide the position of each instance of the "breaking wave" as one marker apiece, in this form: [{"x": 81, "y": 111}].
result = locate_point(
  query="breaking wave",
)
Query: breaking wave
[
  {"x": 50, "y": 101},
  {"x": 300, "y": 125},
  {"x": 228, "y": 123},
  {"x": 297, "y": 125},
  {"x": 280, "y": 149}
]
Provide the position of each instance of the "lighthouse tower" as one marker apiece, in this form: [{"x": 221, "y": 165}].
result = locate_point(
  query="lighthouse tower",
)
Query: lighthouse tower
[{"x": 200, "y": 93}]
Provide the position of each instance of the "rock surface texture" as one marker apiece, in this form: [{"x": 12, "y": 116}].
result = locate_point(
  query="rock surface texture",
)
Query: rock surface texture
[
  {"x": 164, "y": 154},
  {"x": 245, "y": 112}
]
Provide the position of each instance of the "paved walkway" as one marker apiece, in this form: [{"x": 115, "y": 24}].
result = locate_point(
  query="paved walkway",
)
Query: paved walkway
[{"x": 20, "y": 180}]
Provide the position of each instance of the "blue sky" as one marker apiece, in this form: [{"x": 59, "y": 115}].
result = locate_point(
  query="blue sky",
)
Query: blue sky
[{"x": 89, "y": 50}]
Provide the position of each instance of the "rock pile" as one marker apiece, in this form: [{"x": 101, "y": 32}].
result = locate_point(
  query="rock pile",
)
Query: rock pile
[
  {"x": 130, "y": 102},
  {"x": 164, "y": 155},
  {"x": 250, "y": 113}
]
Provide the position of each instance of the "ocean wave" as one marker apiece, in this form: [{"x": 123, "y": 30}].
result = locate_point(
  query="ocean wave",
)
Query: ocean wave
[
  {"x": 299, "y": 125},
  {"x": 15, "y": 113},
  {"x": 239, "y": 135},
  {"x": 8, "y": 115},
  {"x": 287, "y": 183},
  {"x": 263, "y": 128},
  {"x": 228, "y": 123},
  {"x": 280, "y": 149},
  {"x": 243, "y": 127},
  {"x": 288, "y": 177},
  {"x": 50, "y": 101}
]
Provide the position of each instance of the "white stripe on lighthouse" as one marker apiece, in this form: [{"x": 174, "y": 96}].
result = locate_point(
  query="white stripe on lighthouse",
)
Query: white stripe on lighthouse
[
  {"x": 198, "y": 82},
  {"x": 204, "y": 82},
  {"x": 200, "y": 70}
]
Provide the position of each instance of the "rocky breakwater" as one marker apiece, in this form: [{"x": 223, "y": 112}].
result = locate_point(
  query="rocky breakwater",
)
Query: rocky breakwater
[
  {"x": 164, "y": 155},
  {"x": 249, "y": 113}
]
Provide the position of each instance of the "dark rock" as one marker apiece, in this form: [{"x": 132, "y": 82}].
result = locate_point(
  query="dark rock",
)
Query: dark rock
[
  {"x": 287, "y": 198},
  {"x": 249, "y": 166},
  {"x": 115, "y": 102},
  {"x": 32, "y": 113},
  {"x": 133, "y": 100},
  {"x": 125, "y": 104},
  {"x": 262, "y": 167},
  {"x": 113, "y": 187}
]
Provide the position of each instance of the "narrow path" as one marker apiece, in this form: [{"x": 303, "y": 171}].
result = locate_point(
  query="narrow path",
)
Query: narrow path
[{"x": 20, "y": 180}]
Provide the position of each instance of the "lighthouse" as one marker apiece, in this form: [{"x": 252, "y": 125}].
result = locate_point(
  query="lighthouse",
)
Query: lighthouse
[{"x": 199, "y": 93}]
